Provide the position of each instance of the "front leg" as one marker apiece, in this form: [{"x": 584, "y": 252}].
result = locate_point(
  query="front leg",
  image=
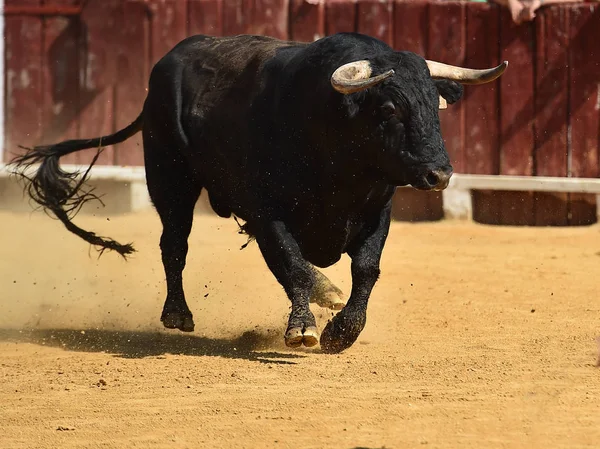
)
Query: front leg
[
  {"x": 283, "y": 257},
  {"x": 343, "y": 330}
]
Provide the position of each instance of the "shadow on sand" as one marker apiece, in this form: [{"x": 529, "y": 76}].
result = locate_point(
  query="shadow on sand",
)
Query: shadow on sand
[
  {"x": 364, "y": 447},
  {"x": 252, "y": 346}
]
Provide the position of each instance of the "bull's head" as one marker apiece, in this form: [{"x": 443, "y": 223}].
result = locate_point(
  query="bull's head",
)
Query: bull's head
[{"x": 403, "y": 111}]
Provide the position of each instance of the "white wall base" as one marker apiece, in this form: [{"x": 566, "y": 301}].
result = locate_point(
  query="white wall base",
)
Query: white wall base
[
  {"x": 124, "y": 190},
  {"x": 121, "y": 189},
  {"x": 118, "y": 196},
  {"x": 457, "y": 204}
]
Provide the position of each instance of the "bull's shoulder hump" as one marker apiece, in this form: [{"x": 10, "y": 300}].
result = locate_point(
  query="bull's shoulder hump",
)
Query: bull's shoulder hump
[
  {"x": 228, "y": 50},
  {"x": 224, "y": 62}
]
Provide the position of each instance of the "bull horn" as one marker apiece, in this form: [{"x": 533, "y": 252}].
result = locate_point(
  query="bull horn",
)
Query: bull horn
[
  {"x": 463, "y": 75},
  {"x": 356, "y": 76}
]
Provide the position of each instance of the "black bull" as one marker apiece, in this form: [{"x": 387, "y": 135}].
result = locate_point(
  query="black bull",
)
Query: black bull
[{"x": 304, "y": 142}]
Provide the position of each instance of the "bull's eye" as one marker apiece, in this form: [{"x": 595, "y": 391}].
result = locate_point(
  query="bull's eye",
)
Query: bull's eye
[{"x": 388, "y": 110}]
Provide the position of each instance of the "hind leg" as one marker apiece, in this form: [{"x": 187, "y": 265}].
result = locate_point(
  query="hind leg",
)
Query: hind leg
[
  {"x": 177, "y": 219},
  {"x": 174, "y": 193},
  {"x": 325, "y": 293}
]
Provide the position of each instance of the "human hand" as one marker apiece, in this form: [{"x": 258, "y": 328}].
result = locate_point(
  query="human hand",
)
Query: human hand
[
  {"x": 529, "y": 9},
  {"x": 516, "y": 10}
]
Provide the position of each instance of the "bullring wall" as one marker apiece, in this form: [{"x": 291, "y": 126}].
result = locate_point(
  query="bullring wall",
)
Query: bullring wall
[{"x": 80, "y": 71}]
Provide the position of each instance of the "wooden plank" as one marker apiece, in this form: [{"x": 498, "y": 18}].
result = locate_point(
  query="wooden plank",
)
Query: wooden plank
[
  {"x": 236, "y": 17},
  {"x": 552, "y": 39},
  {"x": 584, "y": 107},
  {"x": 508, "y": 186},
  {"x": 97, "y": 66},
  {"x": 584, "y": 101},
  {"x": 13, "y": 4},
  {"x": 168, "y": 26},
  {"x": 525, "y": 183},
  {"x": 447, "y": 43},
  {"x": 416, "y": 205},
  {"x": 12, "y": 9},
  {"x": 340, "y": 16},
  {"x": 270, "y": 18},
  {"x": 23, "y": 78},
  {"x": 517, "y": 97},
  {"x": 481, "y": 102},
  {"x": 60, "y": 77},
  {"x": 481, "y": 107},
  {"x": 307, "y": 20},
  {"x": 486, "y": 206},
  {"x": 516, "y": 116},
  {"x": 410, "y": 19},
  {"x": 205, "y": 17},
  {"x": 582, "y": 209},
  {"x": 133, "y": 67},
  {"x": 376, "y": 19}
]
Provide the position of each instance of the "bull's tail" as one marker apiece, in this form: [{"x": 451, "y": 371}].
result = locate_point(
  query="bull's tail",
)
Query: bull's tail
[{"x": 63, "y": 193}]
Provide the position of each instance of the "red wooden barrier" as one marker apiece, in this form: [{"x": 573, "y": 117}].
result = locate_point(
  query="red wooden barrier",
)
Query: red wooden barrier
[
  {"x": 551, "y": 102},
  {"x": 307, "y": 20},
  {"x": 410, "y": 18},
  {"x": 482, "y": 149},
  {"x": 98, "y": 79},
  {"x": 81, "y": 75},
  {"x": 48, "y": 9},
  {"x": 61, "y": 88},
  {"x": 23, "y": 78},
  {"x": 205, "y": 17},
  {"x": 516, "y": 117},
  {"x": 133, "y": 72},
  {"x": 446, "y": 39},
  {"x": 376, "y": 18},
  {"x": 168, "y": 26},
  {"x": 584, "y": 105},
  {"x": 270, "y": 18},
  {"x": 340, "y": 16}
]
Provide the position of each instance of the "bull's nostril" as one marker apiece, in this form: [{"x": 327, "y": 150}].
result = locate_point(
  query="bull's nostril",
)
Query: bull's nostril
[{"x": 432, "y": 179}]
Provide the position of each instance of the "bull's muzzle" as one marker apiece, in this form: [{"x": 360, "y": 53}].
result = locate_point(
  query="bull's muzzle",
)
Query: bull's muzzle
[{"x": 438, "y": 179}]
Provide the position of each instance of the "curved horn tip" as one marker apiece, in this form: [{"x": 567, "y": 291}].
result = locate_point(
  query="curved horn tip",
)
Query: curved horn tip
[
  {"x": 356, "y": 76},
  {"x": 465, "y": 75},
  {"x": 503, "y": 66}
]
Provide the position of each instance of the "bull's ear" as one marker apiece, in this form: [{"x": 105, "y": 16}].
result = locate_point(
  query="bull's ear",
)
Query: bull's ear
[{"x": 451, "y": 91}]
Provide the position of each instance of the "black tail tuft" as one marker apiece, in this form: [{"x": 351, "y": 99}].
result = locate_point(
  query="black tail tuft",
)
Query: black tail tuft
[{"x": 64, "y": 193}]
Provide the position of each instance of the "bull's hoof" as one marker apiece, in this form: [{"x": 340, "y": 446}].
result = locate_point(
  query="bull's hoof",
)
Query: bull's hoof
[
  {"x": 326, "y": 294},
  {"x": 330, "y": 300},
  {"x": 178, "y": 320},
  {"x": 340, "y": 333},
  {"x": 296, "y": 337}
]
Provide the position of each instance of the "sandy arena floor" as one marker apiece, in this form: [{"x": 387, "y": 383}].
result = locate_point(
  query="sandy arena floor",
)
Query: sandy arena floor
[{"x": 477, "y": 337}]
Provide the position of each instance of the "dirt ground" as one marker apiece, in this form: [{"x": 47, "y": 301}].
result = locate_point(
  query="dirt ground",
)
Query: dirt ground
[{"x": 477, "y": 337}]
